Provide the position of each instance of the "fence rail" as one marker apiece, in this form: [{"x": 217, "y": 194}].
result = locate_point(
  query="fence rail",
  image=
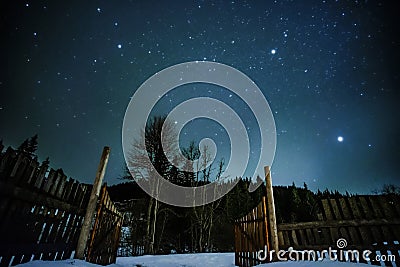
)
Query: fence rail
[{"x": 41, "y": 210}]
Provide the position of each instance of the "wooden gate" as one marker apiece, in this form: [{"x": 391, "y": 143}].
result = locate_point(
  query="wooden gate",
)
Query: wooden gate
[
  {"x": 103, "y": 245},
  {"x": 256, "y": 233},
  {"x": 251, "y": 236}
]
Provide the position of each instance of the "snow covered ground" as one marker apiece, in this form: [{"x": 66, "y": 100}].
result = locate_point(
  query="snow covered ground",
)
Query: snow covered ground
[{"x": 183, "y": 260}]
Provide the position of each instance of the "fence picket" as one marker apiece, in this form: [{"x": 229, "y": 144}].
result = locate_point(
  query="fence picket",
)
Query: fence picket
[
  {"x": 337, "y": 214},
  {"x": 49, "y": 181},
  {"x": 326, "y": 210},
  {"x": 61, "y": 186},
  {"x": 54, "y": 186},
  {"x": 310, "y": 236},
  {"x": 67, "y": 190},
  {"x": 16, "y": 166},
  {"x": 40, "y": 175},
  {"x": 31, "y": 171}
]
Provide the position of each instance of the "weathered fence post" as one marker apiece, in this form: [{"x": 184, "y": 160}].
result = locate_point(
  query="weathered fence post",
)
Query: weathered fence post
[
  {"x": 87, "y": 222},
  {"x": 271, "y": 210}
]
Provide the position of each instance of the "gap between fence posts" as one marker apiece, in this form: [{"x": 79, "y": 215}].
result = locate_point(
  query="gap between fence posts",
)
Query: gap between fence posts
[
  {"x": 94, "y": 195},
  {"x": 271, "y": 210}
]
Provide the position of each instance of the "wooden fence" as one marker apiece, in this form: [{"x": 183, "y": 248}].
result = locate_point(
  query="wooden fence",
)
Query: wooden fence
[
  {"x": 41, "y": 210},
  {"x": 251, "y": 235},
  {"x": 365, "y": 222},
  {"x": 359, "y": 222}
]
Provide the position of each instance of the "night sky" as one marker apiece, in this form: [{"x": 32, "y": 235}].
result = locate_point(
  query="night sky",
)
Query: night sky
[{"x": 329, "y": 70}]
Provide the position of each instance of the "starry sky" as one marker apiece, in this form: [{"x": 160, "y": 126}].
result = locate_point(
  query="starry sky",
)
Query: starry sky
[{"x": 329, "y": 70}]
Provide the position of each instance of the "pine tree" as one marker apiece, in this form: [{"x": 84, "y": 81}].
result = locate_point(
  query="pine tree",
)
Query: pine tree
[
  {"x": 29, "y": 146},
  {"x": 192, "y": 153},
  {"x": 305, "y": 186},
  {"x": 173, "y": 174},
  {"x": 296, "y": 202},
  {"x": 24, "y": 146},
  {"x": 46, "y": 161},
  {"x": 32, "y": 144}
]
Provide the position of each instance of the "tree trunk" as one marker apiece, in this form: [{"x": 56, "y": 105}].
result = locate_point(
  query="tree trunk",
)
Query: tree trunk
[
  {"x": 201, "y": 238},
  {"x": 162, "y": 231},
  {"x": 148, "y": 228},
  {"x": 210, "y": 227},
  {"x": 153, "y": 227}
]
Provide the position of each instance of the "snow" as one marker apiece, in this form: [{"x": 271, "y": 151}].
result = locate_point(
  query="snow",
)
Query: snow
[
  {"x": 64, "y": 263},
  {"x": 313, "y": 263},
  {"x": 185, "y": 260},
  {"x": 180, "y": 260}
]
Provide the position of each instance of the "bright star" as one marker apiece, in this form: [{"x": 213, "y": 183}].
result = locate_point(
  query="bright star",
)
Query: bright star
[
  {"x": 340, "y": 138},
  {"x": 273, "y": 51},
  {"x": 119, "y": 46}
]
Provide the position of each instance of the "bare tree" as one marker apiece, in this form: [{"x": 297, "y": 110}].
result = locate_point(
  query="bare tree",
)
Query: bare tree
[
  {"x": 203, "y": 216},
  {"x": 146, "y": 160},
  {"x": 151, "y": 157}
]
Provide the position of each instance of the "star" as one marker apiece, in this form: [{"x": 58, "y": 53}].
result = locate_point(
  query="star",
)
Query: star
[
  {"x": 273, "y": 51},
  {"x": 340, "y": 139}
]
